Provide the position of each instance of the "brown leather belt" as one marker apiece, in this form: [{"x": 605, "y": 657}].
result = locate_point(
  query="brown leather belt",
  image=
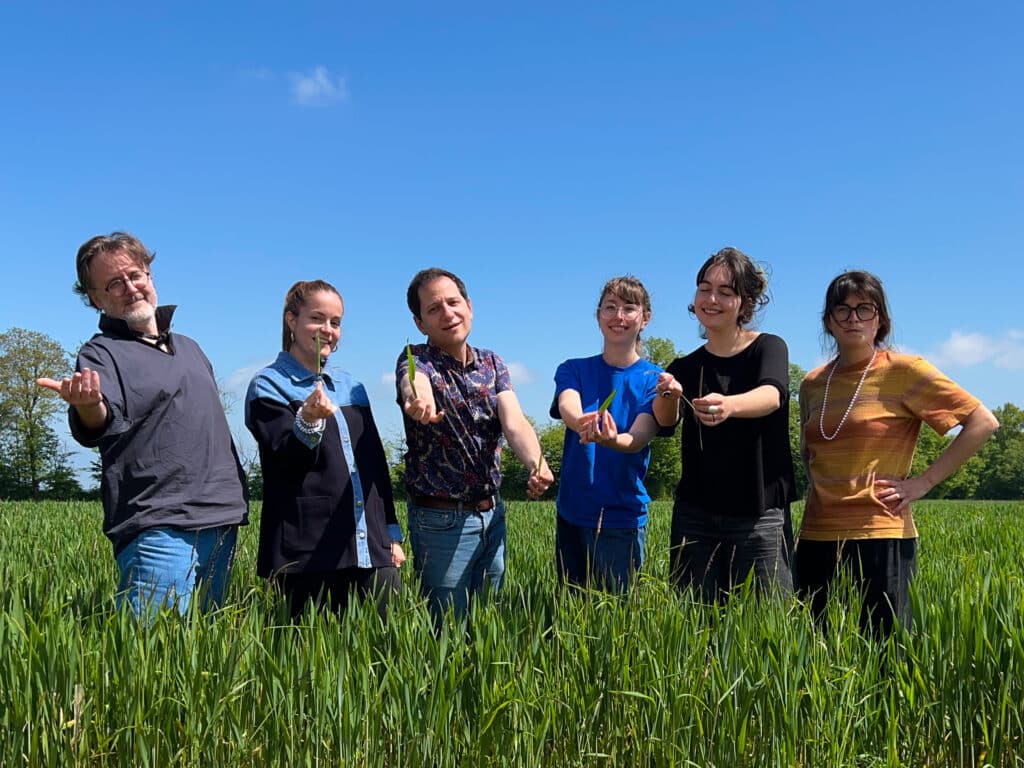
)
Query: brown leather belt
[{"x": 432, "y": 502}]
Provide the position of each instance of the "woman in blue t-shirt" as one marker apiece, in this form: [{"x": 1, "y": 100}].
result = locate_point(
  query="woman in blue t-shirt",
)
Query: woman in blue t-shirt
[{"x": 606, "y": 403}]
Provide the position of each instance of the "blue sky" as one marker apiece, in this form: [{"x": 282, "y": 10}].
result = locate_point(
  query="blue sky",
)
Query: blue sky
[{"x": 536, "y": 149}]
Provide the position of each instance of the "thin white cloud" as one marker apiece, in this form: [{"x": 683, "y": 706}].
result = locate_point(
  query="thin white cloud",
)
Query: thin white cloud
[
  {"x": 388, "y": 377},
  {"x": 962, "y": 350},
  {"x": 238, "y": 380},
  {"x": 318, "y": 88},
  {"x": 520, "y": 373}
]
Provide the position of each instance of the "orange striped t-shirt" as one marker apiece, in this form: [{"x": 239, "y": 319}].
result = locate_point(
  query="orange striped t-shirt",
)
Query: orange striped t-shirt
[{"x": 876, "y": 442}]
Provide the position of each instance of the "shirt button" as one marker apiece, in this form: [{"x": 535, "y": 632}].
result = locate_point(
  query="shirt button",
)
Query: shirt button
[
  {"x": 362, "y": 534},
  {"x": 359, "y": 503}
]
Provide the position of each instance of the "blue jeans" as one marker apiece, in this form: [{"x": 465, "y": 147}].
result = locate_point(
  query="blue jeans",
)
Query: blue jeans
[
  {"x": 163, "y": 567},
  {"x": 714, "y": 553},
  {"x": 607, "y": 558},
  {"x": 456, "y": 554}
]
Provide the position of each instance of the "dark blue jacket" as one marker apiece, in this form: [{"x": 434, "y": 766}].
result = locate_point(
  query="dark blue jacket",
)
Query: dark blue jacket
[{"x": 167, "y": 454}]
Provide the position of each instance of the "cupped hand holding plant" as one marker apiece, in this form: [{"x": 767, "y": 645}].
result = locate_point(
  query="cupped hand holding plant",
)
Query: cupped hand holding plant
[{"x": 598, "y": 427}]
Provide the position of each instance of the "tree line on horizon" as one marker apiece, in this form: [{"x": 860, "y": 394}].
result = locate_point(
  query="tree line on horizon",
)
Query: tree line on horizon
[{"x": 35, "y": 461}]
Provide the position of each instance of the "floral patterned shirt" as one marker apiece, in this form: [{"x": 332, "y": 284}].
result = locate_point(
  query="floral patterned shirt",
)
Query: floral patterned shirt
[{"x": 458, "y": 458}]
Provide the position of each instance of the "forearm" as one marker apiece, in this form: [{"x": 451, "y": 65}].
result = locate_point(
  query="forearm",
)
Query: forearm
[
  {"x": 977, "y": 428},
  {"x": 758, "y": 402},
  {"x": 666, "y": 411},
  {"x": 93, "y": 417},
  {"x": 523, "y": 441},
  {"x": 570, "y": 409}
]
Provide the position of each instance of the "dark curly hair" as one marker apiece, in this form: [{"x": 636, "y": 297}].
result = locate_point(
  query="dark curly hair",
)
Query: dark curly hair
[{"x": 749, "y": 280}]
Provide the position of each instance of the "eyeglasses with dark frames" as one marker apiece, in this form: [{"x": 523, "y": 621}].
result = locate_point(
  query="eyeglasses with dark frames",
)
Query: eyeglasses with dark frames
[{"x": 841, "y": 312}]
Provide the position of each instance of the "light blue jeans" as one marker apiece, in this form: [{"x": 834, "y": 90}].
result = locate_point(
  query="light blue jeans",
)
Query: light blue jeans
[
  {"x": 163, "y": 567},
  {"x": 457, "y": 554}
]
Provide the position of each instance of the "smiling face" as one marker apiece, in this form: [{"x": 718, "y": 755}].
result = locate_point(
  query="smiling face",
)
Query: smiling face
[
  {"x": 321, "y": 312},
  {"x": 717, "y": 303},
  {"x": 620, "y": 319},
  {"x": 112, "y": 272},
  {"x": 446, "y": 316}
]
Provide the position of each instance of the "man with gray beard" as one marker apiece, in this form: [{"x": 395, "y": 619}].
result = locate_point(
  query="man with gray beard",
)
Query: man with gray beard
[{"x": 173, "y": 487}]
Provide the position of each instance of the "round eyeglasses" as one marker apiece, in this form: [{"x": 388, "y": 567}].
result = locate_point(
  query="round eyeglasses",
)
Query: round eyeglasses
[
  {"x": 841, "y": 312},
  {"x": 628, "y": 311},
  {"x": 119, "y": 287}
]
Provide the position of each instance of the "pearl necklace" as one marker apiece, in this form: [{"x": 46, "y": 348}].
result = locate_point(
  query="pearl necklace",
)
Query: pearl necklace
[{"x": 856, "y": 392}]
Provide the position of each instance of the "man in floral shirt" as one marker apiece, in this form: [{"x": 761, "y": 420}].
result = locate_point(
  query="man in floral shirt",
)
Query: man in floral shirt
[{"x": 458, "y": 404}]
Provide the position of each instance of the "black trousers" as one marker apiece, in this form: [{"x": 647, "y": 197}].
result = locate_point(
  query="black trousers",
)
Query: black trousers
[
  {"x": 334, "y": 589},
  {"x": 714, "y": 553},
  {"x": 882, "y": 570}
]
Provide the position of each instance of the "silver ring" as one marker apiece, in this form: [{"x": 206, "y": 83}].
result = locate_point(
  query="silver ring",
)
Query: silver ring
[{"x": 713, "y": 409}]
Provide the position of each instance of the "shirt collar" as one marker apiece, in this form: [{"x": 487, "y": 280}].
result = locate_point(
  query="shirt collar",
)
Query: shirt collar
[
  {"x": 118, "y": 327},
  {"x": 297, "y": 372},
  {"x": 441, "y": 356}
]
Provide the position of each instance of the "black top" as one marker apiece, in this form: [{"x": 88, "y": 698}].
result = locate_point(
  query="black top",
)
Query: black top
[
  {"x": 745, "y": 465},
  {"x": 167, "y": 454},
  {"x": 327, "y": 498}
]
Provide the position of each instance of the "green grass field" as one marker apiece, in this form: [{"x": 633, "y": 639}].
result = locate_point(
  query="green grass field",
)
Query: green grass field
[{"x": 544, "y": 679}]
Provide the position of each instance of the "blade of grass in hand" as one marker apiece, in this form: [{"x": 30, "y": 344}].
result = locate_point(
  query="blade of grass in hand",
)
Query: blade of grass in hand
[
  {"x": 607, "y": 402},
  {"x": 700, "y": 393},
  {"x": 411, "y": 364},
  {"x": 318, "y": 361}
]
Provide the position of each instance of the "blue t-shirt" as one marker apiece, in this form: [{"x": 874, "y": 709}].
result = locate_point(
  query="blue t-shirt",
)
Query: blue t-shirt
[{"x": 598, "y": 482}]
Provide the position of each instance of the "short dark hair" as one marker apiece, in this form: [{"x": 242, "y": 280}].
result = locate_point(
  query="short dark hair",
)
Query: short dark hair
[
  {"x": 857, "y": 281},
  {"x": 115, "y": 242},
  {"x": 424, "y": 276},
  {"x": 295, "y": 300},
  {"x": 749, "y": 280}
]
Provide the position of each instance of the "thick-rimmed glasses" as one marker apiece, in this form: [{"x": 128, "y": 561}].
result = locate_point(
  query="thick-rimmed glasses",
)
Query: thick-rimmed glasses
[
  {"x": 628, "y": 311},
  {"x": 118, "y": 286},
  {"x": 841, "y": 312}
]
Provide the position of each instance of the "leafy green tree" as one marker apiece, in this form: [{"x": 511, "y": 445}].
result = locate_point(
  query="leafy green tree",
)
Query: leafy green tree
[
  {"x": 796, "y": 376},
  {"x": 394, "y": 449},
  {"x": 29, "y": 444},
  {"x": 61, "y": 481},
  {"x": 666, "y": 462},
  {"x": 514, "y": 475},
  {"x": 1002, "y": 457}
]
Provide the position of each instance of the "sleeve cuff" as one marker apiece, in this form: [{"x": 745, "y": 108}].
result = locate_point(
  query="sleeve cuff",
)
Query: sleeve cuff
[
  {"x": 308, "y": 434},
  {"x": 395, "y": 531}
]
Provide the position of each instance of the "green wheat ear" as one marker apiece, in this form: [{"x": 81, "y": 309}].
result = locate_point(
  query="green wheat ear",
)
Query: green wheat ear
[
  {"x": 318, "y": 353},
  {"x": 412, "y": 368},
  {"x": 607, "y": 401}
]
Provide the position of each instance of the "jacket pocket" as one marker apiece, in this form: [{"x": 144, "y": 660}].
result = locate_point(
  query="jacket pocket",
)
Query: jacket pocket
[{"x": 302, "y": 532}]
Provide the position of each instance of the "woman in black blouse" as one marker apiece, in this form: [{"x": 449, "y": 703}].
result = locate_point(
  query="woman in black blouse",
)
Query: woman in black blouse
[
  {"x": 328, "y": 526},
  {"x": 731, "y": 516}
]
